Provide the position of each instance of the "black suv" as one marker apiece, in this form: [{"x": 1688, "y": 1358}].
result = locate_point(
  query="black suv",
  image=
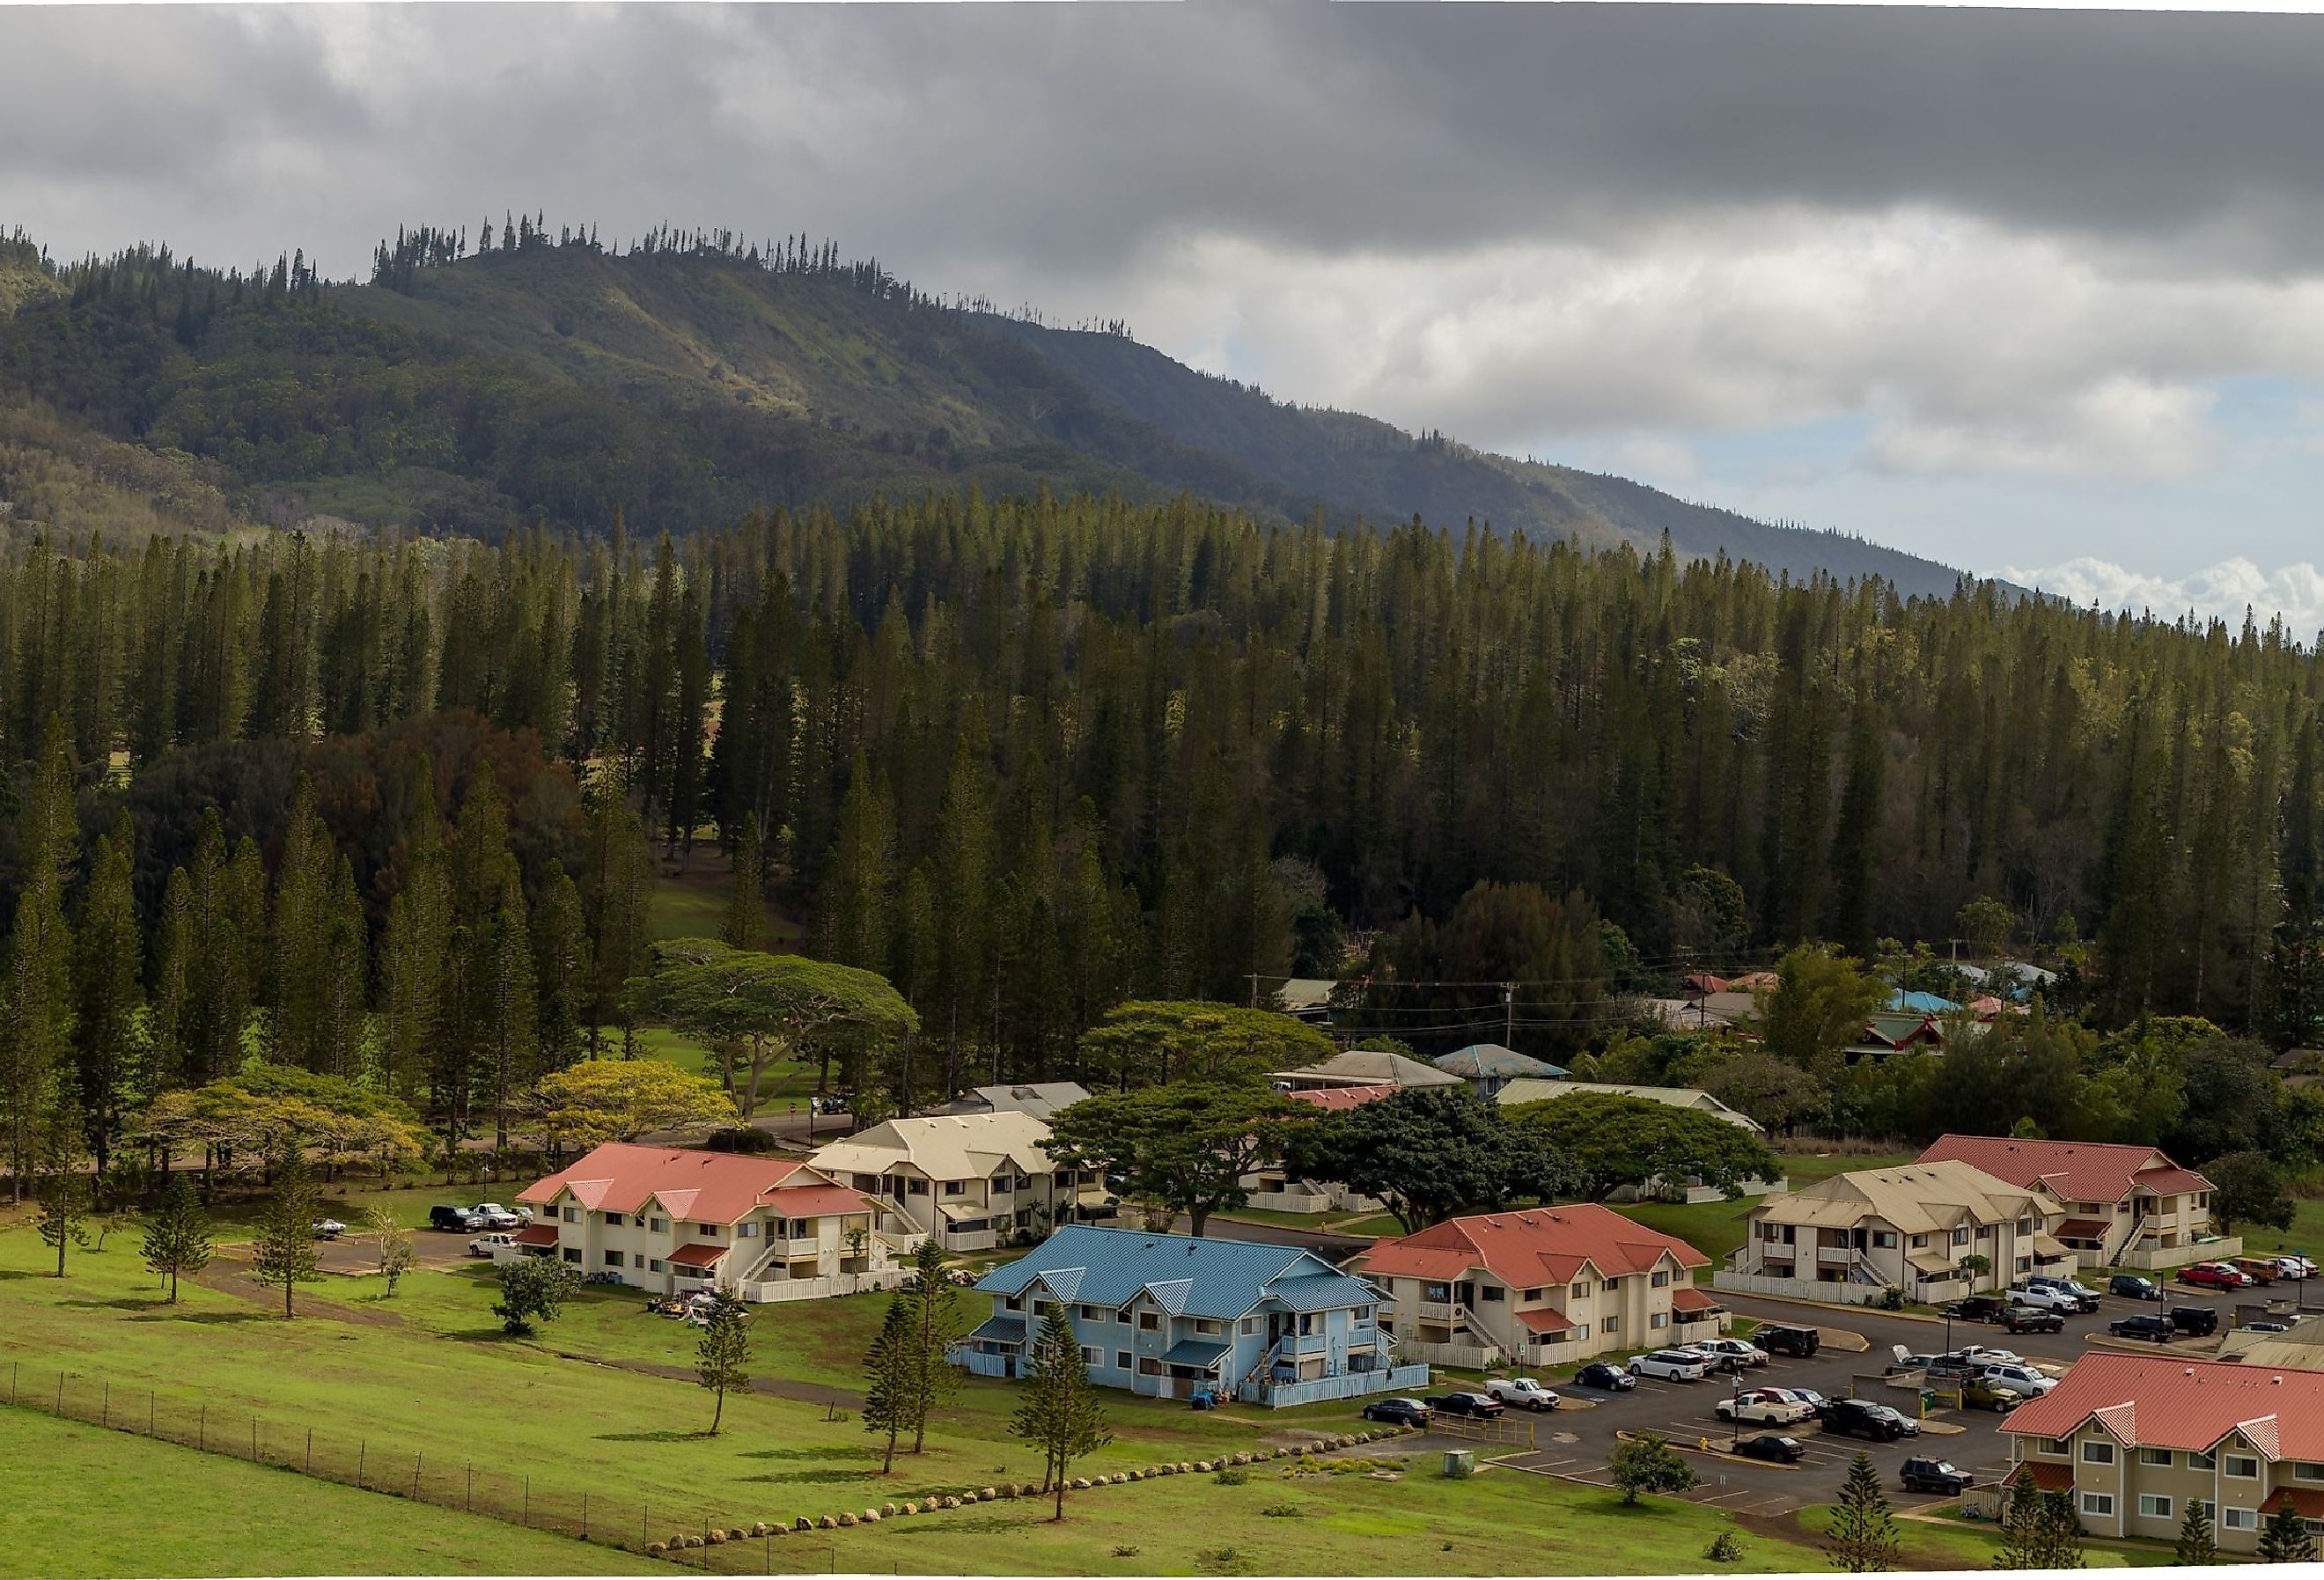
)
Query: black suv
[
  {"x": 1933, "y": 1476},
  {"x": 1788, "y": 1340},
  {"x": 2131, "y": 1286},
  {"x": 1977, "y": 1308},
  {"x": 1856, "y": 1418},
  {"x": 2200, "y": 1321},
  {"x": 457, "y": 1220},
  {"x": 2145, "y": 1326},
  {"x": 2033, "y": 1320}
]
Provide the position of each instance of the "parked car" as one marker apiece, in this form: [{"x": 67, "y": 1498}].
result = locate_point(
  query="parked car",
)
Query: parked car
[
  {"x": 2085, "y": 1297},
  {"x": 1857, "y": 1417},
  {"x": 1786, "y": 1339},
  {"x": 1712, "y": 1359},
  {"x": 1523, "y": 1391},
  {"x": 1816, "y": 1403},
  {"x": 491, "y": 1214},
  {"x": 1782, "y": 1450},
  {"x": 2294, "y": 1268},
  {"x": 2042, "y": 1298},
  {"x": 1742, "y": 1352},
  {"x": 1602, "y": 1375},
  {"x": 487, "y": 1245},
  {"x": 2266, "y": 1325},
  {"x": 1986, "y": 1393},
  {"x": 2131, "y": 1286},
  {"x": 2143, "y": 1325},
  {"x": 2033, "y": 1320},
  {"x": 1948, "y": 1368},
  {"x": 1765, "y": 1406},
  {"x": 328, "y": 1228},
  {"x": 1673, "y": 1366},
  {"x": 1397, "y": 1412},
  {"x": 1481, "y": 1406},
  {"x": 1933, "y": 1476},
  {"x": 2030, "y": 1380},
  {"x": 1977, "y": 1308},
  {"x": 2195, "y": 1321},
  {"x": 2212, "y": 1275},
  {"x": 454, "y": 1220},
  {"x": 2259, "y": 1270}
]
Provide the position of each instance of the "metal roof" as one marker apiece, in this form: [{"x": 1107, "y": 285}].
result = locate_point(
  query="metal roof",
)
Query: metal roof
[
  {"x": 1193, "y": 1351},
  {"x": 1186, "y": 1276}
]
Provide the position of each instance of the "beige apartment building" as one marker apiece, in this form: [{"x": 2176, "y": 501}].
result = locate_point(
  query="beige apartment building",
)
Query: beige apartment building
[
  {"x": 2132, "y": 1440},
  {"x": 1537, "y": 1288},
  {"x": 2125, "y": 1206},
  {"x": 974, "y": 1180},
  {"x": 1847, "y": 1238}
]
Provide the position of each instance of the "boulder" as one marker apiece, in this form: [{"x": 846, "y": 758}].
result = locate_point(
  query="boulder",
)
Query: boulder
[
  {"x": 655, "y": 1549},
  {"x": 760, "y": 1528},
  {"x": 693, "y": 1541},
  {"x": 736, "y": 1534},
  {"x": 888, "y": 1511},
  {"x": 989, "y": 1494},
  {"x": 848, "y": 1519},
  {"x": 952, "y": 1502},
  {"x": 715, "y": 1538},
  {"x": 1243, "y": 1458},
  {"x": 828, "y": 1522},
  {"x": 1081, "y": 1484},
  {"x": 912, "y": 1508},
  {"x": 1203, "y": 1465},
  {"x": 871, "y": 1517}
]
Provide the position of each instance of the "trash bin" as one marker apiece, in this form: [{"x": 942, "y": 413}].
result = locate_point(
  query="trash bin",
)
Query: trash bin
[{"x": 1459, "y": 1462}]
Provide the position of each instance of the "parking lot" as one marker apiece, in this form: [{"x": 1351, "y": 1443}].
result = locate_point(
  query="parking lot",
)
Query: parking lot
[{"x": 1574, "y": 1443}]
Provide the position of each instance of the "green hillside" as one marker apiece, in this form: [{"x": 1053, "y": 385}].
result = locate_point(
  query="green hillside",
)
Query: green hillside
[{"x": 681, "y": 387}]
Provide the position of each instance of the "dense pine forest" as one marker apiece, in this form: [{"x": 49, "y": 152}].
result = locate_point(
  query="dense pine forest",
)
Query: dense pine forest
[{"x": 390, "y": 809}]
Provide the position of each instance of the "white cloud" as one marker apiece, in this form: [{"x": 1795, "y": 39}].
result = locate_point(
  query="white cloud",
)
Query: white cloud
[{"x": 2224, "y": 591}]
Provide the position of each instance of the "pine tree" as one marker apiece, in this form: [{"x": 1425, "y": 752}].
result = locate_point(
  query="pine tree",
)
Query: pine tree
[
  {"x": 2062, "y": 1533},
  {"x": 168, "y": 1018},
  {"x": 36, "y": 999},
  {"x": 937, "y": 1324},
  {"x": 2197, "y": 1547},
  {"x": 108, "y": 953},
  {"x": 414, "y": 948},
  {"x": 2285, "y": 1539},
  {"x": 510, "y": 1027},
  {"x": 1058, "y": 1411},
  {"x": 560, "y": 948},
  {"x": 178, "y": 1239},
  {"x": 284, "y": 1250},
  {"x": 61, "y": 1151},
  {"x": 616, "y": 882},
  {"x": 721, "y": 1360},
  {"x": 893, "y": 1376},
  {"x": 1862, "y": 1537},
  {"x": 745, "y": 921}
]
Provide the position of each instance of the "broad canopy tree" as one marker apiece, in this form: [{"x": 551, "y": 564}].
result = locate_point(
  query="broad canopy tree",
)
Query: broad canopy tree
[
  {"x": 1429, "y": 1152},
  {"x": 1152, "y": 1042},
  {"x": 766, "y": 1007},
  {"x": 1184, "y": 1147},
  {"x": 1608, "y": 1141},
  {"x": 602, "y": 1100}
]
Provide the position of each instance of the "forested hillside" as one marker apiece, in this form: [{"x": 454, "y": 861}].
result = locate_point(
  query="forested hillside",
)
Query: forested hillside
[{"x": 687, "y": 380}]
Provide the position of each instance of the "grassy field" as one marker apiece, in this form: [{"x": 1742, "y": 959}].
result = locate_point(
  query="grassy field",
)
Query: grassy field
[
  {"x": 692, "y": 903},
  {"x": 84, "y": 1502}
]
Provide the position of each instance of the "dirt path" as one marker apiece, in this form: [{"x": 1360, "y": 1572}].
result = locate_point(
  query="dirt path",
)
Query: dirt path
[{"x": 233, "y": 1275}]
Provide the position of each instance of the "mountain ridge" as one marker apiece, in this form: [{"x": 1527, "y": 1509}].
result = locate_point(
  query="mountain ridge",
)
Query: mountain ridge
[{"x": 678, "y": 387}]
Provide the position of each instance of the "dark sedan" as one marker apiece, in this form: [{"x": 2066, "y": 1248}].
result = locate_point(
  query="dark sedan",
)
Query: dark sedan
[
  {"x": 1599, "y": 1375},
  {"x": 1782, "y": 1450},
  {"x": 2131, "y": 1286},
  {"x": 1482, "y": 1406},
  {"x": 1397, "y": 1412}
]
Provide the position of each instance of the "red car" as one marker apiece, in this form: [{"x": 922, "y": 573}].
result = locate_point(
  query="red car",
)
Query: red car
[{"x": 2212, "y": 1275}]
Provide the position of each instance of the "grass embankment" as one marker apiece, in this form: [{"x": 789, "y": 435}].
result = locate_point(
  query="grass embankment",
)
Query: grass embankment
[
  {"x": 1719, "y": 1228},
  {"x": 85, "y": 1501}
]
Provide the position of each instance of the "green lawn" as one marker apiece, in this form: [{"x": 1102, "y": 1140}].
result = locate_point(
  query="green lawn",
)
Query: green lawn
[
  {"x": 1717, "y": 1228},
  {"x": 2305, "y": 1237},
  {"x": 84, "y": 1502}
]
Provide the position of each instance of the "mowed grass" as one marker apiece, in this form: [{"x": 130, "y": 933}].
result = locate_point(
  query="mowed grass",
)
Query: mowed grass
[
  {"x": 85, "y": 1502},
  {"x": 692, "y": 904},
  {"x": 2305, "y": 1237}
]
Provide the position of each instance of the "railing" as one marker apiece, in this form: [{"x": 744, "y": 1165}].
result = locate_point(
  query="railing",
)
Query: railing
[
  {"x": 825, "y": 1287},
  {"x": 1835, "y": 1255},
  {"x": 1436, "y": 1310},
  {"x": 1847, "y": 1294},
  {"x": 2161, "y": 1256},
  {"x": 1517, "y": 1431},
  {"x": 1463, "y": 1357},
  {"x": 1349, "y": 1385},
  {"x": 977, "y": 1364}
]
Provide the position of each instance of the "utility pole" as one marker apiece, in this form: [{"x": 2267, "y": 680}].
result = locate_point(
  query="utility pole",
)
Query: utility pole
[{"x": 1509, "y": 1015}]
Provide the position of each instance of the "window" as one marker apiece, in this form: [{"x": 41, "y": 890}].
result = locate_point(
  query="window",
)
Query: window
[
  {"x": 2242, "y": 1466},
  {"x": 572, "y": 1253},
  {"x": 1203, "y": 1325},
  {"x": 2239, "y": 1520},
  {"x": 2196, "y": 1460},
  {"x": 1961, "y": 1237},
  {"x": 654, "y": 1266},
  {"x": 917, "y": 1187},
  {"x": 1920, "y": 1242},
  {"x": 1985, "y": 1231},
  {"x": 1124, "y": 1316},
  {"x": 1250, "y": 1324},
  {"x": 1149, "y": 1321},
  {"x": 1092, "y": 1355},
  {"x": 2098, "y": 1504},
  {"x": 1611, "y": 1325},
  {"x": 1659, "y": 1319},
  {"x": 2097, "y": 1451},
  {"x": 1492, "y": 1292},
  {"x": 746, "y": 1231},
  {"x": 956, "y": 1187},
  {"x": 572, "y": 1214},
  {"x": 658, "y": 1226},
  {"x": 2307, "y": 1473},
  {"x": 2158, "y": 1457},
  {"x": 1884, "y": 1239},
  {"x": 1582, "y": 1291},
  {"x": 1121, "y": 1360},
  {"x": 1064, "y": 1177},
  {"x": 1022, "y": 1182},
  {"x": 2151, "y": 1507},
  {"x": 1533, "y": 1294},
  {"x": 612, "y": 1258},
  {"x": 708, "y": 1231},
  {"x": 613, "y": 1220},
  {"x": 1660, "y": 1280},
  {"x": 2058, "y": 1446},
  {"x": 1001, "y": 1185},
  {"x": 2211, "y": 1510},
  {"x": 1089, "y": 1313}
]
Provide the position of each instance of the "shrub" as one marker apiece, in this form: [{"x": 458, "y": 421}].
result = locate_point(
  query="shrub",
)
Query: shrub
[
  {"x": 1282, "y": 1511},
  {"x": 1724, "y": 1549},
  {"x": 1125, "y": 1551},
  {"x": 1231, "y": 1478}
]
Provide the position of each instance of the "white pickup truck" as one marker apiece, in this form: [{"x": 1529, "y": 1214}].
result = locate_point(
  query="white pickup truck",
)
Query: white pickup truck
[{"x": 1522, "y": 1392}]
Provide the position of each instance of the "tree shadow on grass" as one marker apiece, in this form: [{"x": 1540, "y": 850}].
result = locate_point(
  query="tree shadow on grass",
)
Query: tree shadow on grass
[
  {"x": 811, "y": 1476},
  {"x": 169, "y": 1314},
  {"x": 18, "y": 1273},
  {"x": 651, "y": 1437},
  {"x": 126, "y": 1303},
  {"x": 842, "y": 1451}
]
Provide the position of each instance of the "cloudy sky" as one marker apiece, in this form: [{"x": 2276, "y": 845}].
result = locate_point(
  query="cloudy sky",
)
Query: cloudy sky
[{"x": 2037, "y": 293}]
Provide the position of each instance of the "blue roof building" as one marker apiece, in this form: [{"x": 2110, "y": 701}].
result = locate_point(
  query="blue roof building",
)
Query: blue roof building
[
  {"x": 1488, "y": 1067},
  {"x": 1172, "y": 1316}
]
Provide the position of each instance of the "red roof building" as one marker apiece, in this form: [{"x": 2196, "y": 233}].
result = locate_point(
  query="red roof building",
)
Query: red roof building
[
  {"x": 2125, "y": 1206},
  {"x": 2139, "y": 1435},
  {"x": 1539, "y": 1287},
  {"x": 671, "y": 1219}
]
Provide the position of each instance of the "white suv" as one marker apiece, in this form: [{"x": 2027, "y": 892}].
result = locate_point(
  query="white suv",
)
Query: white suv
[
  {"x": 2042, "y": 1298},
  {"x": 1732, "y": 1349},
  {"x": 1672, "y": 1366},
  {"x": 2027, "y": 1380}
]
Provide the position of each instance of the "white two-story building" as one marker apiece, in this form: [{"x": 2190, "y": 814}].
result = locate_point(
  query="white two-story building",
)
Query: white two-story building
[{"x": 974, "y": 1180}]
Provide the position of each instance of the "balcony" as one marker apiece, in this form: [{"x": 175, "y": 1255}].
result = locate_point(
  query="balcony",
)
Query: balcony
[
  {"x": 1436, "y": 1311},
  {"x": 1835, "y": 1255}
]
